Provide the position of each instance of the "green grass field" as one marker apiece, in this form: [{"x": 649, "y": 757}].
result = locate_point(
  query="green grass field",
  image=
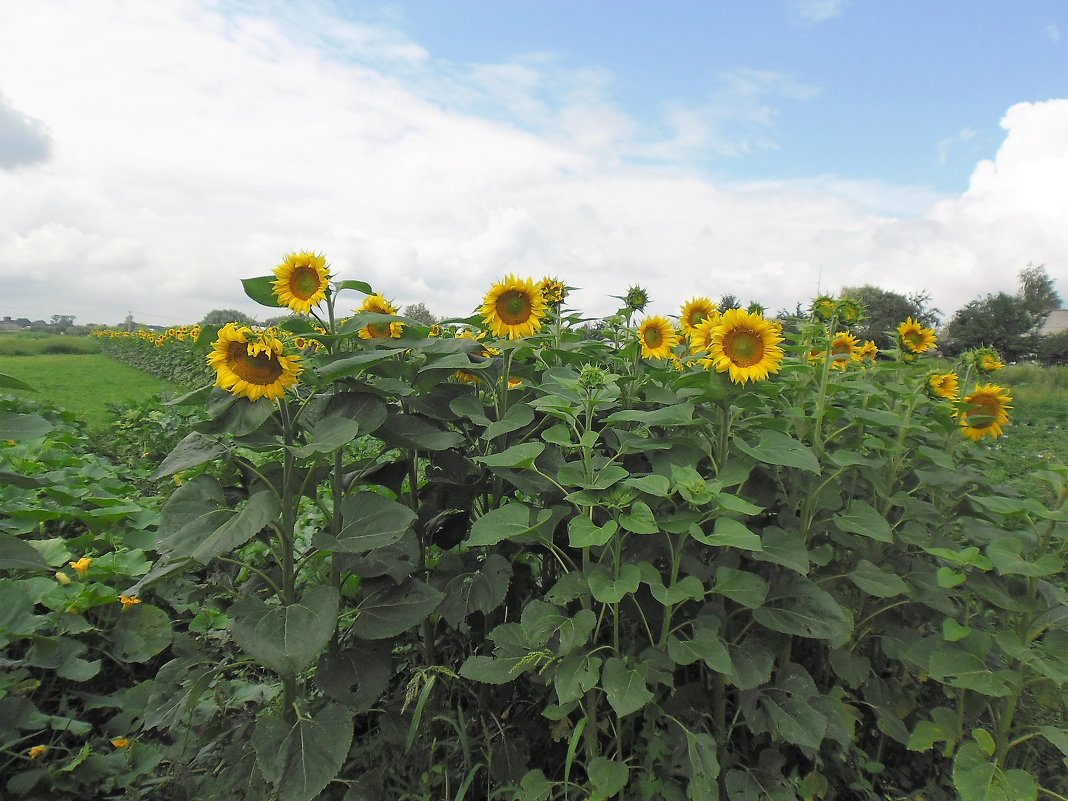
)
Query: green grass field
[
  {"x": 83, "y": 384},
  {"x": 29, "y": 343}
]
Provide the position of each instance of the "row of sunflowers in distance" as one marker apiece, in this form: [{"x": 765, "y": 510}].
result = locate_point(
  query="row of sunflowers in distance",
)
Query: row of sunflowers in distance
[{"x": 254, "y": 363}]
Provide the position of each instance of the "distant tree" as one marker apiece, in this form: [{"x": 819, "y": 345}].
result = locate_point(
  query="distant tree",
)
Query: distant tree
[
  {"x": 1007, "y": 322},
  {"x": 276, "y": 321},
  {"x": 885, "y": 310},
  {"x": 420, "y": 313},
  {"x": 61, "y": 322},
  {"x": 1053, "y": 349},
  {"x": 224, "y": 316},
  {"x": 729, "y": 301}
]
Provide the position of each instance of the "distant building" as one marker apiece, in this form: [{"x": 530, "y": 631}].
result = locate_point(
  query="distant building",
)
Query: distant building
[
  {"x": 1055, "y": 323},
  {"x": 7, "y": 324}
]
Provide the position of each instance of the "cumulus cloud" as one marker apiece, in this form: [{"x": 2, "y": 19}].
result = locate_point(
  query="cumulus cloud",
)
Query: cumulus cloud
[
  {"x": 815, "y": 11},
  {"x": 1053, "y": 33},
  {"x": 194, "y": 148},
  {"x": 23, "y": 140}
]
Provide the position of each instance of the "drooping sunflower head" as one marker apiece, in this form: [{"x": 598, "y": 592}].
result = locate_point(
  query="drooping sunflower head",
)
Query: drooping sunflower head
[
  {"x": 844, "y": 349},
  {"x": 694, "y": 312},
  {"x": 823, "y": 308},
  {"x": 745, "y": 345},
  {"x": 513, "y": 308},
  {"x": 985, "y": 411},
  {"x": 377, "y": 304},
  {"x": 849, "y": 311},
  {"x": 553, "y": 290},
  {"x": 869, "y": 350},
  {"x": 987, "y": 359},
  {"x": 636, "y": 298},
  {"x": 435, "y": 331},
  {"x": 657, "y": 337},
  {"x": 914, "y": 338},
  {"x": 943, "y": 385},
  {"x": 488, "y": 351},
  {"x": 301, "y": 281},
  {"x": 252, "y": 365}
]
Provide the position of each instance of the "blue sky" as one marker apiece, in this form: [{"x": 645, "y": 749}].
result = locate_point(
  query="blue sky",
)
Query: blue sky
[
  {"x": 153, "y": 154},
  {"x": 869, "y": 90}
]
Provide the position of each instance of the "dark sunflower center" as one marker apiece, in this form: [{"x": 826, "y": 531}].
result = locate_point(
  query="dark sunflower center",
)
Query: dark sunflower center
[
  {"x": 379, "y": 330},
  {"x": 840, "y": 348},
  {"x": 654, "y": 337},
  {"x": 696, "y": 316},
  {"x": 984, "y": 412},
  {"x": 262, "y": 370},
  {"x": 513, "y": 307},
  {"x": 304, "y": 282},
  {"x": 744, "y": 348},
  {"x": 914, "y": 338}
]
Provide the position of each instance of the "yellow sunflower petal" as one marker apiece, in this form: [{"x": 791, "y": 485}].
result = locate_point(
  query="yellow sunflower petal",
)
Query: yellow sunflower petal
[
  {"x": 513, "y": 308},
  {"x": 657, "y": 337},
  {"x": 252, "y": 366},
  {"x": 985, "y": 411},
  {"x": 301, "y": 281},
  {"x": 746, "y": 346}
]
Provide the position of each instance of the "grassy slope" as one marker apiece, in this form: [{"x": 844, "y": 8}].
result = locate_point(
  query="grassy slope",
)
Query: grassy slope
[
  {"x": 83, "y": 384},
  {"x": 27, "y": 343}
]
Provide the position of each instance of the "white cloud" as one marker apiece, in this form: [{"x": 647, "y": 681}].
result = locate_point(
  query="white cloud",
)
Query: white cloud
[
  {"x": 814, "y": 11},
  {"x": 1053, "y": 33},
  {"x": 945, "y": 145},
  {"x": 191, "y": 150}
]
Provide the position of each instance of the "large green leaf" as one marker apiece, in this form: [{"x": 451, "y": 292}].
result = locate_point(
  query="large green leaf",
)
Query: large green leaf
[
  {"x": 480, "y": 590},
  {"x": 517, "y": 457},
  {"x": 607, "y": 777},
  {"x": 541, "y": 621},
  {"x": 777, "y": 448},
  {"x": 514, "y": 521},
  {"x": 953, "y": 665},
  {"x": 876, "y": 581},
  {"x": 862, "y": 518},
  {"x": 10, "y": 382},
  {"x": 625, "y": 686},
  {"x": 327, "y": 435},
  {"x": 387, "y": 609},
  {"x": 704, "y": 767},
  {"x": 799, "y": 607},
  {"x": 729, "y": 533},
  {"x": 515, "y": 418},
  {"x": 369, "y": 521},
  {"x": 230, "y": 414},
  {"x": 18, "y": 555},
  {"x": 357, "y": 675},
  {"x": 977, "y": 778},
  {"x": 258, "y": 511},
  {"x": 194, "y": 450},
  {"x": 610, "y": 590},
  {"x": 141, "y": 633},
  {"x": 420, "y": 433},
  {"x": 639, "y": 519},
  {"x": 1006, "y": 552},
  {"x": 785, "y": 548},
  {"x": 680, "y": 414},
  {"x": 741, "y": 586},
  {"x": 706, "y": 645},
  {"x": 584, "y": 533},
  {"x": 261, "y": 290},
  {"x": 575, "y": 675},
  {"x": 16, "y": 426},
  {"x": 302, "y": 758},
  {"x": 289, "y": 637}
]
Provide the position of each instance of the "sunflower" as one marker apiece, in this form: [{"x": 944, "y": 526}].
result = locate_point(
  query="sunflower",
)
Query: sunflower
[
  {"x": 513, "y": 308},
  {"x": 914, "y": 338},
  {"x": 844, "y": 349},
  {"x": 745, "y": 344},
  {"x": 849, "y": 311},
  {"x": 695, "y": 311},
  {"x": 701, "y": 334},
  {"x": 869, "y": 350},
  {"x": 636, "y": 298},
  {"x": 987, "y": 360},
  {"x": 657, "y": 337},
  {"x": 943, "y": 385},
  {"x": 823, "y": 308},
  {"x": 251, "y": 365},
  {"x": 985, "y": 411},
  {"x": 379, "y": 305},
  {"x": 553, "y": 290},
  {"x": 301, "y": 281}
]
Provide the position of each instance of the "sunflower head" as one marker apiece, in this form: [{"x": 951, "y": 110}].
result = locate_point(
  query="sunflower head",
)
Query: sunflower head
[
  {"x": 987, "y": 360},
  {"x": 252, "y": 365},
  {"x": 694, "y": 312},
  {"x": 553, "y": 291},
  {"x": 636, "y": 299},
  {"x": 849, "y": 311},
  {"x": 746, "y": 346},
  {"x": 657, "y": 337},
  {"x": 943, "y": 385},
  {"x": 914, "y": 338},
  {"x": 823, "y": 308},
  {"x": 513, "y": 308},
  {"x": 377, "y": 304},
  {"x": 985, "y": 411},
  {"x": 701, "y": 335},
  {"x": 435, "y": 331},
  {"x": 844, "y": 349},
  {"x": 869, "y": 350},
  {"x": 301, "y": 281}
]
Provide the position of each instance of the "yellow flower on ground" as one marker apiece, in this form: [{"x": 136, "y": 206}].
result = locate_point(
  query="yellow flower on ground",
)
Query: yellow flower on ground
[
  {"x": 745, "y": 345},
  {"x": 37, "y": 751},
  {"x": 844, "y": 349},
  {"x": 553, "y": 290},
  {"x": 944, "y": 385},
  {"x": 914, "y": 338},
  {"x": 694, "y": 312},
  {"x": 62, "y": 577},
  {"x": 513, "y": 308},
  {"x": 81, "y": 567},
  {"x": 121, "y": 742},
  {"x": 301, "y": 281},
  {"x": 657, "y": 337},
  {"x": 379, "y": 305},
  {"x": 869, "y": 350},
  {"x": 128, "y": 600},
  {"x": 985, "y": 411},
  {"x": 251, "y": 365}
]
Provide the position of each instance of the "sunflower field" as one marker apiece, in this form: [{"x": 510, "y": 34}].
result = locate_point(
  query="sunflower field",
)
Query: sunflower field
[{"x": 517, "y": 556}]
